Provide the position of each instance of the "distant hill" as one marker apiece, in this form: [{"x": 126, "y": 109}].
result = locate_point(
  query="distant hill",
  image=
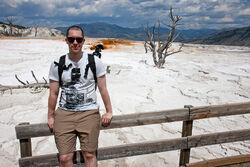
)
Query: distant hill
[
  {"x": 105, "y": 30},
  {"x": 237, "y": 37},
  {"x": 21, "y": 31}
]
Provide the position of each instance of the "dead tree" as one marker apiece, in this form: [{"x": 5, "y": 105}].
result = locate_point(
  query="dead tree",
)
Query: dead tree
[
  {"x": 4, "y": 29},
  {"x": 160, "y": 49},
  {"x": 36, "y": 26},
  {"x": 34, "y": 87},
  {"x": 10, "y": 20}
]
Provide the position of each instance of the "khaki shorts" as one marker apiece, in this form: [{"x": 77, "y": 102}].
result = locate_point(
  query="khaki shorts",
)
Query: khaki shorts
[{"x": 68, "y": 125}]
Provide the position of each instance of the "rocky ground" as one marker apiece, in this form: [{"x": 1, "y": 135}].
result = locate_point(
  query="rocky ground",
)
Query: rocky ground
[{"x": 199, "y": 75}]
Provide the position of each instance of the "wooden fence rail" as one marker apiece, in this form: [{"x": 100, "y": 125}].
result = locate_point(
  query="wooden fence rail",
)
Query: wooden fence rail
[
  {"x": 232, "y": 161},
  {"x": 38, "y": 130},
  {"x": 25, "y": 132}
]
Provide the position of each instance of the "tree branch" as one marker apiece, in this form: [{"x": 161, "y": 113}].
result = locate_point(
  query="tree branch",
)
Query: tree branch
[
  {"x": 35, "y": 87},
  {"x": 179, "y": 50},
  {"x": 34, "y": 76},
  {"x": 160, "y": 50},
  {"x": 20, "y": 80}
]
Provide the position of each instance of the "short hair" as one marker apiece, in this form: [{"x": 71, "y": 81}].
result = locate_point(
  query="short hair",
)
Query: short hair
[{"x": 74, "y": 27}]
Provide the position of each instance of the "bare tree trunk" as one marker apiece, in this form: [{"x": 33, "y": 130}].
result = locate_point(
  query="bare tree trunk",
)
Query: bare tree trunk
[
  {"x": 154, "y": 58},
  {"x": 36, "y": 29}
]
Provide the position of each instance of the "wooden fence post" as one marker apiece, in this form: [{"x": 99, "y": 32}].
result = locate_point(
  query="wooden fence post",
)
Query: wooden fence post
[
  {"x": 186, "y": 131},
  {"x": 25, "y": 145}
]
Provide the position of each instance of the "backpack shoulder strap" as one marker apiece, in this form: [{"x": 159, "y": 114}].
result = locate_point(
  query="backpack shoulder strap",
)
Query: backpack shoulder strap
[
  {"x": 61, "y": 66},
  {"x": 92, "y": 66}
]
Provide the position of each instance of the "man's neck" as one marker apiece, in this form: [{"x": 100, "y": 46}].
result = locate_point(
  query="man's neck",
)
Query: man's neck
[{"x": 75, "y": 56}]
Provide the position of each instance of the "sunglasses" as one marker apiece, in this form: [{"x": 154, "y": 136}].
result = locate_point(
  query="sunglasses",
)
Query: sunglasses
[{"x": 72, "y": 39}]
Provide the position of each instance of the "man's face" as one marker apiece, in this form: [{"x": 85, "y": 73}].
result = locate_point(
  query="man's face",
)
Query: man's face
[{"x": 75, "y": 41}]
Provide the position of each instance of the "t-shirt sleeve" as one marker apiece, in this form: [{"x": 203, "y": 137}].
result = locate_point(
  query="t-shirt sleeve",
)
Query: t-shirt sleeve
[
  {"x": 100, "y": 70},
  {"x": 53, "y": 72}
]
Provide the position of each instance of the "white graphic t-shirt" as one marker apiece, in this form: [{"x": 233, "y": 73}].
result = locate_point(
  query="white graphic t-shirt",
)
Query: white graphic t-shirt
[{"x": 77, "y": 93}]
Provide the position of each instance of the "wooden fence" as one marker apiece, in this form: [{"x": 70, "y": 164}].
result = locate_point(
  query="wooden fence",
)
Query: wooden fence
[{"x": 187, "y": 114}]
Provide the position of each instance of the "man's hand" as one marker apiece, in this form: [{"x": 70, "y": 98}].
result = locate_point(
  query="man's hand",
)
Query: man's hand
[
  {"x": 106, "y": 119},
  {"x": 51, "y": 123}
]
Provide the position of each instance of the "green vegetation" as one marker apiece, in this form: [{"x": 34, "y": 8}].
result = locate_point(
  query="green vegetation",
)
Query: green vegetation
[{"x": 14, "y": 25}]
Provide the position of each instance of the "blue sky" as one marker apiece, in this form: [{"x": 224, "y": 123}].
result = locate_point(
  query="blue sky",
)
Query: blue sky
[{"x": 196, "y": 14}]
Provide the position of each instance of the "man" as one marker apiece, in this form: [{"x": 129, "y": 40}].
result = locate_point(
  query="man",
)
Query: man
[{"x": 78, "y": 111}]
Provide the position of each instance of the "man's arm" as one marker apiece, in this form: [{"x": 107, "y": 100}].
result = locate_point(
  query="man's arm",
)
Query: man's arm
[
  {"x": 106, "y": 118},
  {"x": 53, "y": 94}
]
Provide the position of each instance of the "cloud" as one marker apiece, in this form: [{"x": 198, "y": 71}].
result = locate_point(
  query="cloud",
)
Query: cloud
[
  {"x": 192, "y": 9},
  {"x": 131, "y": 13},
  {"x": 13, "y": 3},
  {"x": 221, "y": 8},
  {"x": 245, "y": 12},
  {"x": 225, "y": 19},
  {"x": 207, "y": 18}
]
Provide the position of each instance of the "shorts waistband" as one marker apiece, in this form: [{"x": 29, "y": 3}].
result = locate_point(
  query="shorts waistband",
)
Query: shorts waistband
[{"x": 97, "y": 110}]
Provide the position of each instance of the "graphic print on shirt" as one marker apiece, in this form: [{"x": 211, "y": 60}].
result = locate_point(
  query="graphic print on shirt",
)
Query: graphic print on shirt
[{"x": 75, "y": 95}]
